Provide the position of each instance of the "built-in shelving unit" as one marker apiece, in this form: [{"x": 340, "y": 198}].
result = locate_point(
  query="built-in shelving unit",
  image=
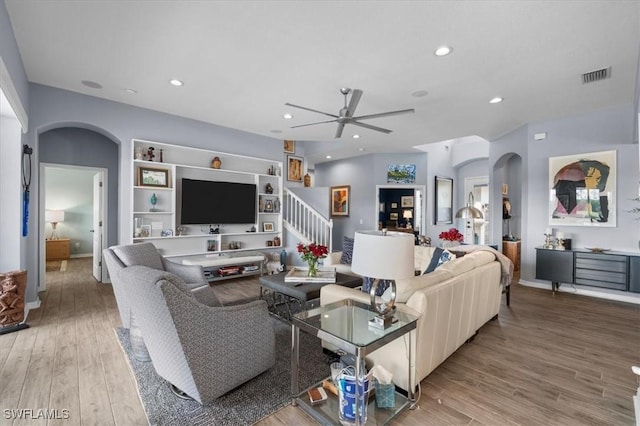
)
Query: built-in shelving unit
[{"x": 184, "y": 241}]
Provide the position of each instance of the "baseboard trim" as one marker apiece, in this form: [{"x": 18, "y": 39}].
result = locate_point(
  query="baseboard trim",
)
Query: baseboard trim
[{"x": 588, "y": 291}]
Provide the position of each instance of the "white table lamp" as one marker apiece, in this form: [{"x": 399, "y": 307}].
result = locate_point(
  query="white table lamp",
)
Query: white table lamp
[
  {"x": 383, "y": 256},
  {"x": 54, "y": 216}
]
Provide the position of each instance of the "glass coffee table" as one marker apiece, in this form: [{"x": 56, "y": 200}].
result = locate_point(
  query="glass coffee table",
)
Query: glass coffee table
[{"x": 345, "y": 324}]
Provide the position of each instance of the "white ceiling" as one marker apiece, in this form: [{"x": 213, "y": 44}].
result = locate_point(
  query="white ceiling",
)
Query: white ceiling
[{"x": 242, "y": 60}]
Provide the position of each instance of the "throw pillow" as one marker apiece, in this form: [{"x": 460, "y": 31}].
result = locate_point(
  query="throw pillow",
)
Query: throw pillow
[
  {"x": 439, "y": 257},
  {"x": 367, "y": 283},
  {"x": 435, "y": 257},
  {"x": 347, "y": 250}
]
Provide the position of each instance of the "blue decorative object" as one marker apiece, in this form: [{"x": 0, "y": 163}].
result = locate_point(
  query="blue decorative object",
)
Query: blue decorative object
[
  {"x": 153, "y": 201},
  {"x": 347, "y": 250},
  {"x": 283, "y": 259}
]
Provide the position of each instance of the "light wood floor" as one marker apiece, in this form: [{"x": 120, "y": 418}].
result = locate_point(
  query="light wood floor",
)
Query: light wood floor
[{"x": 547, "y": 360}]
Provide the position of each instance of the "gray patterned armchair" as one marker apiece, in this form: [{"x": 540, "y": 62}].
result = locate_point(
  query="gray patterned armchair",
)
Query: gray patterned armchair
[
  {"x": 201, "y": 350},
  {"x": 146, "y": 254}
]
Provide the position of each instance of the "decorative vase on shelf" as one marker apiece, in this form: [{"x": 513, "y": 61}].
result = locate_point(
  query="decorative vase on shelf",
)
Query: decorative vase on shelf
[{"x": 153, "y": 201}]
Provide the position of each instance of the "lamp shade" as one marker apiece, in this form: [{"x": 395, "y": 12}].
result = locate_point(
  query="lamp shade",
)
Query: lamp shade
[
  {"x": 407, "y": 214},
  {"x": 386, "y": 256},
  {"x": 54, "y": 216},
  {"x": 469, "y": 212}
]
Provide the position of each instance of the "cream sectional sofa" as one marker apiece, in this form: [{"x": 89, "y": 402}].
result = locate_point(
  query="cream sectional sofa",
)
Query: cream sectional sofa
[{"x": 451, "y": 303}]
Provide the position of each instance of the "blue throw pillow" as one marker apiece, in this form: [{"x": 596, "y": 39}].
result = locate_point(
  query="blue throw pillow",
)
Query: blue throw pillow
[
  {"x": 435, "y": 257},
  {"x": 347, "y": 250},
  {"x": 367, "y": 283}
]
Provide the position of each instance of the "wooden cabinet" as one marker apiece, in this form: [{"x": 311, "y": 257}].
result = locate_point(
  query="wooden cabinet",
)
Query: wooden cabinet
[
  {"x": 58, "y": 249},
  {"x": 511, "y": 249}
]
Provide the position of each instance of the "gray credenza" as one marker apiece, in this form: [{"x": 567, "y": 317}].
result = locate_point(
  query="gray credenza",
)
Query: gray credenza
[{"x": 609, "y": 269}]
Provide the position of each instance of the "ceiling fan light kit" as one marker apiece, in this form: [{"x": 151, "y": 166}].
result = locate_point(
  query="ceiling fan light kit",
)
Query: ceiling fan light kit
[{"x": 346, "y": 114}]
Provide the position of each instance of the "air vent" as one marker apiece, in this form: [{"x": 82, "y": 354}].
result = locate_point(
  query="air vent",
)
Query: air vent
[{"x": 596, "y": 75}]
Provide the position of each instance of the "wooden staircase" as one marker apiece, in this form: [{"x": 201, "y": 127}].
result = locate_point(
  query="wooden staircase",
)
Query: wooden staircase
[{"x": 305, "y": 222}]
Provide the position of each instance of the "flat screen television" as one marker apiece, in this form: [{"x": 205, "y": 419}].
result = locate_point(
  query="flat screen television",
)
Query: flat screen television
[{"x": 207, "y": 202}]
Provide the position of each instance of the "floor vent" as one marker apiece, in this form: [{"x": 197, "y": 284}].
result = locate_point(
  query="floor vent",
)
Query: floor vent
[{"x": 597, "y": 75}]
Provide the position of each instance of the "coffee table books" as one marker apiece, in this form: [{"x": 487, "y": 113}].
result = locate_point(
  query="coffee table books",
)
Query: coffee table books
[{"x": 299, "y": 275}]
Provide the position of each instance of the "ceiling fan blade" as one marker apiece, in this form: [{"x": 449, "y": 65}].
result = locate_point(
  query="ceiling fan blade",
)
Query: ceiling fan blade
[
  {"x": 312, "y": 110},
  {"x": 313, "y": 124},
  {"x": 369, "y": 126},
  {"x": 353, "y": 103},
  {"x": 339, "y": 131},
  {"x": 384, "y": 114}
]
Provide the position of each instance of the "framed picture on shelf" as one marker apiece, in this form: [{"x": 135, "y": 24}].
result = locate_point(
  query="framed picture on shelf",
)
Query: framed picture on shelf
[
  {"x": 443, "y": 201},
  {"x": 148, "y": 176},
  {"x": 340, "y": 201},
  {"x": 290, "y": 147},
  {"x": 394, "y": 205},
  {"x": 267, "y": 227},
  {"x": 393, "y": 216},
  {"x": 294, "y": 168},
  {"x": 406, "y": 201}
]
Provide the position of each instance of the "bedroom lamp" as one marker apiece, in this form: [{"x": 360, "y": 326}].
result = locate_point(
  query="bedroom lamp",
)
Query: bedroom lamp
[
  {"x": 54, "y": 216},
  {"x": 383, "y": 256}
]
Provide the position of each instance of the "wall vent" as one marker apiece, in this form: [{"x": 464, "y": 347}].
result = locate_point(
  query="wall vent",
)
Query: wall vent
[{"x": 597, "y": 75}]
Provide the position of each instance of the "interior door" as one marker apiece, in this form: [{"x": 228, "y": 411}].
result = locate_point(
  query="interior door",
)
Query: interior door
[{"x": 97, "y": 225}]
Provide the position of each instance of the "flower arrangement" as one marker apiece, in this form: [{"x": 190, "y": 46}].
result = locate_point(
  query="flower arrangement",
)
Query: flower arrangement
[
  {"x": 311, "y": 253},
  {"x": 451, "y": 235}
]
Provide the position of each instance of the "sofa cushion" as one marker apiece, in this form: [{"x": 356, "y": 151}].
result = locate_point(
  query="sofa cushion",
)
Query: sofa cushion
[
  {"x": 143, "y": 254},
  {"x": 459, "y": 266},
  {"x": 421, "y": 257},
  {"x": 406, "y": 287},
  {"x": 347, "y": 251}
]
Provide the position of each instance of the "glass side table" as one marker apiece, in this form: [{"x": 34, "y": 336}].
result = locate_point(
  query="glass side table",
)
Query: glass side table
[{"x": 345, "y": 324}]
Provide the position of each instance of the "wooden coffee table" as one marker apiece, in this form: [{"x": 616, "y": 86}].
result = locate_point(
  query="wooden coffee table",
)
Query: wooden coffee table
[{"x": 286, "y": 298}]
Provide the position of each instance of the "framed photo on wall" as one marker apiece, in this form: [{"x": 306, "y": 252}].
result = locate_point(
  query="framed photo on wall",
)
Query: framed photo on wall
[
  {"x": 340, "y": 200},
  {"x": 582, "y": 189},
  {"x": 406, "y": 201},
  {"x": 289, "y": 147},
  {"x": 294, "y": 168},
  {"x": 443, "y": 208}
]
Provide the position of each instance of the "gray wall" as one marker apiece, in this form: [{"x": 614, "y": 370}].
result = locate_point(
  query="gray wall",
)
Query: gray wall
[
  {"x": 81, "y": 147},
  {"x": 363, "y": 174}
]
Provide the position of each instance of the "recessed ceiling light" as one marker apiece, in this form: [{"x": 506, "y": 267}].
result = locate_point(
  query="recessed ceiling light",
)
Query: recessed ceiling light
[
  {"x": 131, "y": 90},
  {"x": 496, "y": 100},
  {"x": 356, "y": 136},
  {"x": 176, "y": 82},
  {"x": 92, "y": 84},
  {"x": 276, "y": 131},
  {"x": 328, "y": 156},
  {"x": 360, "y": 149},
  {"x": 288, "y": 116},
  {"x": 443, "y": 51},
  {"x": 419, "y": 93}
]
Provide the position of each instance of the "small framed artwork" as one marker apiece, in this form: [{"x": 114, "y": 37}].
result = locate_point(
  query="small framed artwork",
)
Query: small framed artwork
[
  {"x": 406, "y": 201},
  {"x": 290, "y": 147},
  {"x": 393, "y": 216},
  {"x": 294, "y": 168},
  {"x": 340, "y": 200},
  {"x": 212, "y": 245},
  {"x": 394, "y": 205},
  {"x": 443, "y": 201},
  {"x": 267, "y": 226},
  {"x": 148, "y": 176},
  {"x": 401, "y": 173}
]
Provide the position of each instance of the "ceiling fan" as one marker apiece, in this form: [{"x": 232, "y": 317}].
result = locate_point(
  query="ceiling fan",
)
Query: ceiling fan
[{"x": 345, "y": 115}]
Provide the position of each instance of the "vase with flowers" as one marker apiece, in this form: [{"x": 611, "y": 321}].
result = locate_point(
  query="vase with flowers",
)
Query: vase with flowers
[
  {"x": 451, "y": 238},
  {"x": 310, "y": 253}
]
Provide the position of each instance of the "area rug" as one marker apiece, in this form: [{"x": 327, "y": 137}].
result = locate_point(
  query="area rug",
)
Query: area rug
[{"x": 244, "y": 405}]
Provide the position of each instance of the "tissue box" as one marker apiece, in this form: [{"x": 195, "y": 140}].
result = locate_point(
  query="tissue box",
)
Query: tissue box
[{"x": 385, "y": 395}]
